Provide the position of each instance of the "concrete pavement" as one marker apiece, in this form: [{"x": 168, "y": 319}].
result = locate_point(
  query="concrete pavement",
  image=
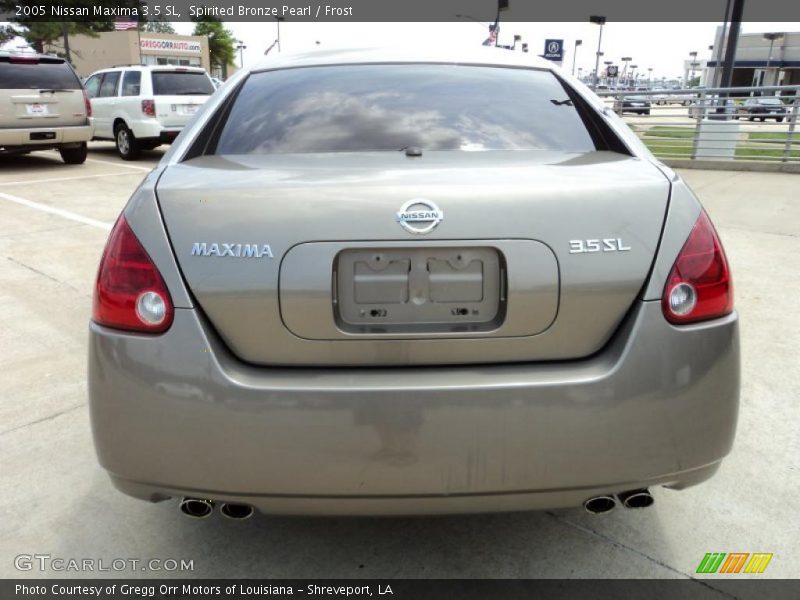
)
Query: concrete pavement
[{"x": 58, "y": 501}]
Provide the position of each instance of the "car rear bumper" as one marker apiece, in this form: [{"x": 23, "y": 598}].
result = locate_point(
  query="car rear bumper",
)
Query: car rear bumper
[
  {"x": 176, "y": 415},
  {"x": 152, "y": 129},
  {"x": 45, "y": 136}
]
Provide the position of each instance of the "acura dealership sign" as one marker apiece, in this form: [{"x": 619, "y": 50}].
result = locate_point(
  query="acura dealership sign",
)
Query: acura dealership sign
[{"x": 554, "y": 50}]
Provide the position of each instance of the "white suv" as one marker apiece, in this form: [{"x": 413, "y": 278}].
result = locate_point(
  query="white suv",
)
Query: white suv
[{"x": 141, "y": 107}]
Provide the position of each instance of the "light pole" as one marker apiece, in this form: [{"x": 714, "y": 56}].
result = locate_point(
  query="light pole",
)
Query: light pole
[
  {"x": 694, "y": 65},
  {"x": 633, "y": 75},
  {"x": 575, "y": 54},
  {"x": 626, "y": 60},
  {"x": 517, "y": 38},
  {"x": 241, "y": 47},
  {"x": 693, "y": 54},
  {"x": 598, "y": 20},
  {"x": 649, "y": 78},
  {"x": 771, "y": 37},
  {"x": 502, "y": 5},
  {"x": 607, "y": 63},
  {"x": 278, "y": 39}
]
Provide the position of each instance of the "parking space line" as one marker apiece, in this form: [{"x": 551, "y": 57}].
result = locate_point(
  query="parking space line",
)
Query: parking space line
[
  {"x": 55, "y": 179},
  {"x": 57, "y": 211},
  {"x": 116, "y": 164}
]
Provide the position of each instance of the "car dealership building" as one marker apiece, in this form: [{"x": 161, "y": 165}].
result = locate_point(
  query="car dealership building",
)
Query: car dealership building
[
  {"x": 110, "y": 48},
  {"x": 761, "y": 59}
]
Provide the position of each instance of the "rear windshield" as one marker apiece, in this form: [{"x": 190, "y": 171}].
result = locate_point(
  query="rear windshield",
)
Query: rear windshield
[
  {"x": 181, "y": 83},
  {"x": 35, "y": 76},
  {"x": 362, "y": 108}
]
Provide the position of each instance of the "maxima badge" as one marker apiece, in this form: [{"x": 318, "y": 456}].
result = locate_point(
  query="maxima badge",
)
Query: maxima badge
[{"x": 419, "y": 216}]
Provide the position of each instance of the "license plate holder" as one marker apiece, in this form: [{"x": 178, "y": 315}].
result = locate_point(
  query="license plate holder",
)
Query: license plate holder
[
  {"x": 433, "y": 289},
  {"x": 36, "y": 109}
]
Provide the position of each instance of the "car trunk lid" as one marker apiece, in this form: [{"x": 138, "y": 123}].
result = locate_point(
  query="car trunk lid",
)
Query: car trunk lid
[
  {"x": 39, "y": 93},
  {"x": 307, "y": 260}
]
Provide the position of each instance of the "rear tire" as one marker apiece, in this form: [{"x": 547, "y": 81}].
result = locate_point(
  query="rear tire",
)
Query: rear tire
[
  {"x": 762, "y": 119},
  {"x": 74, "y": 156},
  {"x": 127, "y": 146},
  {"x": 779, "y": 120}
]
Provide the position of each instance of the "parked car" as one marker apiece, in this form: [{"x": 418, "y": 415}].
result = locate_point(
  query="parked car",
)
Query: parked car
[
  {"x": 321, "y": 300},
  {"x": 714, "y": 108},
  {"x": 659, "y": 96},
  {"x": 141, "y": 107},
  {"x": 639, "y": 105},
  {"x": 763, "y": 108},
  {"x": 677, "y": 96},
  {"x": 42, "y": 106}
]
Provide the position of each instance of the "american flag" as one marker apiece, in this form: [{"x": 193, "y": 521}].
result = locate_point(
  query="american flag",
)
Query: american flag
[
  {"x": 492, "y": 39},
  {"x": 121, "y": 25}
]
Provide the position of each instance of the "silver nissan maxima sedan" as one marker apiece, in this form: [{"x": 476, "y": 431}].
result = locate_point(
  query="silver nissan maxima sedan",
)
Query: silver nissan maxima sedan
[{"x": 407, "y": 282}]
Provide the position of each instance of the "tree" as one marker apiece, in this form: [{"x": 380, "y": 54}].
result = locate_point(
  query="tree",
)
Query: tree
[
  {"x": 221, "y": 44},
  {"x": 157, "y": 26},
  {"x": 39, "y": 32},
  {"x": 7, "y": 33}
]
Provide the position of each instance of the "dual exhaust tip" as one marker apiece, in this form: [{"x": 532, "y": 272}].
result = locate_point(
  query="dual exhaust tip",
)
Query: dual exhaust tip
[
  {"x": 640, "y": 498},
  {"x": 198, "y": 508}
]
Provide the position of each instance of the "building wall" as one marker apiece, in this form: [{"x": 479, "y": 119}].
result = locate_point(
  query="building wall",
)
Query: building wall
[
  {"x": 123, "y": 47},
  {"x": 753, "y": 54}
]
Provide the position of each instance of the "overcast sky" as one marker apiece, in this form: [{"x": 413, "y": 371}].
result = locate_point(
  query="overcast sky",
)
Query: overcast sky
[{"x": 662, "y": 46}]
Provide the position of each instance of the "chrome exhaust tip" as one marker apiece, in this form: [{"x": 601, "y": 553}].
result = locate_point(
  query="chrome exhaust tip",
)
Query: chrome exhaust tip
[
  {"x": 641, "y": 498},
  {"x": 600, "y": 504},
  {"x": 238, "y": 512},
  {"x": 196, "y": 508}
]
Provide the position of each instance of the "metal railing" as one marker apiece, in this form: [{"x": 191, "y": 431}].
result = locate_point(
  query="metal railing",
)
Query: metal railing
[{"x": 713, "y": 123}]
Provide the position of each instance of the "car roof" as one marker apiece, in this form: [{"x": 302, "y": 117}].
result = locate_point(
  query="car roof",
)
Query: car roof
[
  {"x": 152, "y": 68},
  {"x": 474, "y": 55},
  {"x": 31, "y": 55}
]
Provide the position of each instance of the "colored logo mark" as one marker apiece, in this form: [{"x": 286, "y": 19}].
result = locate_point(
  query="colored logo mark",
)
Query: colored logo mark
[{"x": 734, "y": 562}]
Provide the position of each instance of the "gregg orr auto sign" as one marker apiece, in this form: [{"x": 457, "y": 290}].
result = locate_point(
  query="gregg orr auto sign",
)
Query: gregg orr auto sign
[
  {"x": 170, "y": 45},
  {"x": 554, "y": 50}
]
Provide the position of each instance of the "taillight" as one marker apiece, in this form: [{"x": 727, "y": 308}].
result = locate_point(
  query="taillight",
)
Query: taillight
[
  {"x": 149, "y": 108},
  {"x": 87, "y": 103},
  {"x": 699, "y": 287},
  {"x": 130, "y": 293}
]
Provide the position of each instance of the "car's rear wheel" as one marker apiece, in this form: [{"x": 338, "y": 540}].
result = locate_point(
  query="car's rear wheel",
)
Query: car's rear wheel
[
  {"x": 74, "y": 156},
  {"x": 762, "y": 119},
  {"x": 127, "y": 145},
  {"x": 751, "y": 118},
  {"x": 779, "y": 120}
]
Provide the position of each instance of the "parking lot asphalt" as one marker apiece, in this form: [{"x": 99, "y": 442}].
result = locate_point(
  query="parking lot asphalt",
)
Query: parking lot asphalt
[{"x": 54, "y": 220}]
